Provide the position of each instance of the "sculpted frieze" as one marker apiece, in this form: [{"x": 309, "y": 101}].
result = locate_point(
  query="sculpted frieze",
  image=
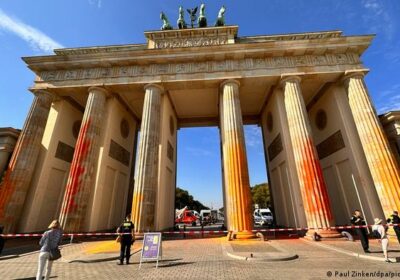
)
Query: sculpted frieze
[
  {"x": 189, "y": 42},
  {"x": 198, "y": 67}
]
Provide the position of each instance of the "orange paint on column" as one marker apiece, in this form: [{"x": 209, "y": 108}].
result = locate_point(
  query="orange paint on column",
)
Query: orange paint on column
[
  {"x": 237, "y": 186},
  {"x": 382, "y": 165},
  {"x": 16, "y": 183},
  {"x": 81, "y": 179},
  {"x": 312, "y": 185}
]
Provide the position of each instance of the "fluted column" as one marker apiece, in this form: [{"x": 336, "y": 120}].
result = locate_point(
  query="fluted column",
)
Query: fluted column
[
  {"x": 145, "y": 190},
  {"x": 83, "y": 167},
  {"x": 16, "y": 184},
  {"x": 312, "y": 186},
  {"x": 381, "y": 161},
  {"x": 237, "y": 185}
]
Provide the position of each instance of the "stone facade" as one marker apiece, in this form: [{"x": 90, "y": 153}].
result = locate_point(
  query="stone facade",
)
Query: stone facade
[{"x": 305, "y": 90}]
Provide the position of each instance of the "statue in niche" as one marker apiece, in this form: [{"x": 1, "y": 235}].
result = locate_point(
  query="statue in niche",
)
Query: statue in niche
[
  {"x": 166, "y": 25},
  {"x": 181, "y": 20},
  {"x": 192, "y": 13},
  {"x": 221, "y": 17},
  {"x": 202, "y": 20}
]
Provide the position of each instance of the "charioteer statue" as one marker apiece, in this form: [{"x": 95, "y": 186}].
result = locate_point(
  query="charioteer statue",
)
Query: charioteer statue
[{"x": 201, "y": 20}]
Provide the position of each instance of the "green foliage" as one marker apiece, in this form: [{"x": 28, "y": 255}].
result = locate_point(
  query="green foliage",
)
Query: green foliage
[
  {"x": 261, "y": 196},
  {"x": 183, "y": 198}
]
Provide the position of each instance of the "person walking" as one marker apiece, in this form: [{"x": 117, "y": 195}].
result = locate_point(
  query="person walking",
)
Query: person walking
[
  {"x": 395, "y": 219},
  {"x": 358, "y": 220},
  {"x": 49, "y": 241},
  {"x": 381, "y": 232},
  {"x": 126, "y": 233}
]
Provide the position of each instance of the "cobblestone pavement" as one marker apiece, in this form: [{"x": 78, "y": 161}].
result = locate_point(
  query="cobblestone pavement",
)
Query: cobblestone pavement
[{"x": 204, "y": 259}]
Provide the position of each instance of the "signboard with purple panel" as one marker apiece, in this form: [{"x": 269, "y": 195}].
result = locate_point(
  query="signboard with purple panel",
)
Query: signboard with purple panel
[{"x": 151, "y": 249}]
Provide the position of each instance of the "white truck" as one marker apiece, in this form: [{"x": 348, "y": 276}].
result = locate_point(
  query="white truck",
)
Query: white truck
[{"x": 263, "y": 217}]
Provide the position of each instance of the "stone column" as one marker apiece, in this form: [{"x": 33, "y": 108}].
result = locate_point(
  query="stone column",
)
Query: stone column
[
  {"x": 15, "y": 185},
  {"x": 145, "y": 190},
  {"x": 236, "y": 181},
  {"x": 312, "y": 186},
  {"x": 82, "y": 173},
  {"x": 381, "y": 162}
]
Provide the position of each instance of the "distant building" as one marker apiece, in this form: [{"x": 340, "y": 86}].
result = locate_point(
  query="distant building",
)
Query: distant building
[
  {"x": 8, "y": 139},
  {"x": 391, "y": 125}
]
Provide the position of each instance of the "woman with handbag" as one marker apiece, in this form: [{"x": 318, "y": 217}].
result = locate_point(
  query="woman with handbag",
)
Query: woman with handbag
[{"x": 49, "y": 250}]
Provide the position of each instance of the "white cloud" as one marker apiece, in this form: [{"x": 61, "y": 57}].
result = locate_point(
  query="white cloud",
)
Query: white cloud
[
  {"x": 253, "y": 136},
  {"x": 36, "y": 39},
  {"x": 198, "y": 152},
  {"x": 95, "y": 2},
  {"x": 378, "y": 18},
  {"x": 389, "y": 100}
]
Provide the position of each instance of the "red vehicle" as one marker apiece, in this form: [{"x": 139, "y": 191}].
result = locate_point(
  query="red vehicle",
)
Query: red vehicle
[{"x": 185, "y": 216}]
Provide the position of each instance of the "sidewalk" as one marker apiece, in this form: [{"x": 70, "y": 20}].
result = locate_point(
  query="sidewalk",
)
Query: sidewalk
[
  {"x": 197, "y": 259},
  {"x": 354, "y": 248}
]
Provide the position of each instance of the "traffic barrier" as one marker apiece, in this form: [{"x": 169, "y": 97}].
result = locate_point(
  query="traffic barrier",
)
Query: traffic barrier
[{"x": 192, "y": 232}]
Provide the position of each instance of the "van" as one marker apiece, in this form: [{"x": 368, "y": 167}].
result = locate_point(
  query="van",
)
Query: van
[{"x": 263, "y": 216}]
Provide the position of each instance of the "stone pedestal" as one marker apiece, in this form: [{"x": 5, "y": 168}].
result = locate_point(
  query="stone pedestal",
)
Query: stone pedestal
[
  {"x": 236, "y": 176},
  {"x": 312, "y": 185},
  {"x": 381, "y": 162},
  {"x": 83, "y": 167},
  {"x": 15, "y": 185},
  {"x": 145, "y": 190}
]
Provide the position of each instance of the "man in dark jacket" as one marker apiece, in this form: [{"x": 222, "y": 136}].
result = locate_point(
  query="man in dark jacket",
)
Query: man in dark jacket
[
  {"x": 127, "y": 236},
  {"x": 395, "y": 219},
  {"x": 358, "y": 220}
]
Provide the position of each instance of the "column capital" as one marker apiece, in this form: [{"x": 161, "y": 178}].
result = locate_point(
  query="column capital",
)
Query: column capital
[
  {"x": 159, "y": 87},
  {"x": 99, "y": 90},
  {"x": 294, "y": 77},
  {"x": 357, "y": 73},
  {"x": 229, "y": 81},
  {"x": 44, "y": 93}
]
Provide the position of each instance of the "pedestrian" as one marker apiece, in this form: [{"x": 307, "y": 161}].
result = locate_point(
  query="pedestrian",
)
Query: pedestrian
[
  {"x": 358, "y": 220},
  {"x": 381, "y": 233},
  {"x": 126, "y": 237},
  {"x": 395, "y": 220},
  {"x": 2, "y": 241},
  {"x": 49, "y": 241}
]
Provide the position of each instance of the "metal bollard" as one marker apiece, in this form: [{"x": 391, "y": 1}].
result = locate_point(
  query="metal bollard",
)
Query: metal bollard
[
  {"x": 202, "y": 231},
  {"x": 184, "y": 231},
  {"x": 72, "y": 239}
]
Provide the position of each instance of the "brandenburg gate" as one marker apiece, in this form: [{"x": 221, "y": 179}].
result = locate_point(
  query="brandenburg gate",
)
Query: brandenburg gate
[{"x": 76, "y": 156}]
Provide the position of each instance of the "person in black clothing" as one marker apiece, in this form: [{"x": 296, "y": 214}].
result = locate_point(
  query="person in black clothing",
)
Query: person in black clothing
[
  {"x": 395, "y": 219},
  {"x": 127, "y": 236},
  {"x": 358, "y": 220}
]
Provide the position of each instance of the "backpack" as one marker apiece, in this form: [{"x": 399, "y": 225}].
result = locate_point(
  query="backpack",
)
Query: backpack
[{"x": 376, "y": 234}]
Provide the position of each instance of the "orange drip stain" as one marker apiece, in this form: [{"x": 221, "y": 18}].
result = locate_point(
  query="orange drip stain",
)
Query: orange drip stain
[
  {"x": 315, "y": 191},
  {"x": 238, "y": 188},
  {"x": 7, "y": 190},
  {"x": 74, "y": 183}
]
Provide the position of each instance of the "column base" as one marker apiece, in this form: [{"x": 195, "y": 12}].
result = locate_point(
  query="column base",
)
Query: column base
[
  {"x": 324, "y": 233},
  {"x": 243, "y": 235}
]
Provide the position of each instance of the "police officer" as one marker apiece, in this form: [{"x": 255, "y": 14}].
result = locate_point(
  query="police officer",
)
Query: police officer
[
  {"x": 395, "y": 219},
  {"x": 358, "y": 220},
  {"x": 127, "y": 236}
]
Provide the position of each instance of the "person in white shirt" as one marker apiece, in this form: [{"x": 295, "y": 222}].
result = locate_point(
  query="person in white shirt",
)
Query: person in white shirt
[{"x": 380, "y": 231}]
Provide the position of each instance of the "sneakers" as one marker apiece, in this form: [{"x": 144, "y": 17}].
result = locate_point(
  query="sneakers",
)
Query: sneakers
[
  {"x": 388, "y": 261},
  {"x": 367, "y": 251},
  {"x": 120, "y": 263}
]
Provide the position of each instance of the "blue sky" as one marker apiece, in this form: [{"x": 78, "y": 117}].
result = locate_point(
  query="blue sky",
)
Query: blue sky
[{"x": 36, "y": 27}]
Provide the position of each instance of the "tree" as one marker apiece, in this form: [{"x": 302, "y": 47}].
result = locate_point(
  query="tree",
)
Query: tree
[
  {"x": 261, "y": 196},
  {"x": 183, "y": 198}
]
